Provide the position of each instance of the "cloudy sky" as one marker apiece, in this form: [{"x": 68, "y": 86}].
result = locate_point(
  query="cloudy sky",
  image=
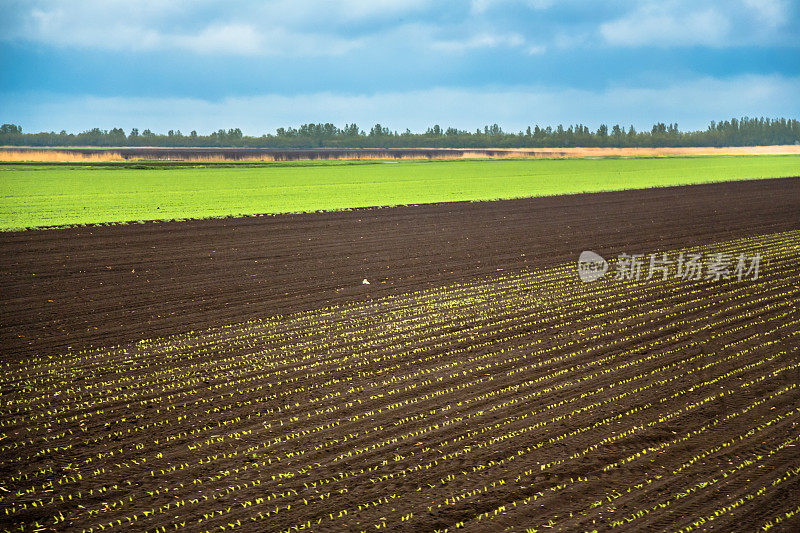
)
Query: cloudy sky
[{"x": 258, "y": 65}]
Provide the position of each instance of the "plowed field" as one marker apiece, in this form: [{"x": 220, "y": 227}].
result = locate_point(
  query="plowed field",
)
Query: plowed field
[{"x": 237, "y": 375}]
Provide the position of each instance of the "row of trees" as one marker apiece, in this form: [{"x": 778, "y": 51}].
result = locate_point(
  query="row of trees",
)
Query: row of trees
[{"x": 742, "y": 132}]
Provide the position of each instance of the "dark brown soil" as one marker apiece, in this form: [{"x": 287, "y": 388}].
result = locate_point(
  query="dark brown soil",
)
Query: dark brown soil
[
  {"x": 496, "y": 404},
  {"x": 110, "y": 284}
]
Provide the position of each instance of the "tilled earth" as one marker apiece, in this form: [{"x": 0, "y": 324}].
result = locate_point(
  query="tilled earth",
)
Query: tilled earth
[
  {"x": 237, "y": 374},
  {"x": 103, "y": 285}
]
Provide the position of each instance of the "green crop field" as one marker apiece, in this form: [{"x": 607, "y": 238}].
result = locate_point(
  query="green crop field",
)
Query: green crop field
[{"x": 37, "y": 196}]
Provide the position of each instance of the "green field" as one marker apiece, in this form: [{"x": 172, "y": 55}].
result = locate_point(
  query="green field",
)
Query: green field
[{"x": 36, "y": 196}]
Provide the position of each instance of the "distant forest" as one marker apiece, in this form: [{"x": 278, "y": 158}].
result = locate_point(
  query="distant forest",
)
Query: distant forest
[{"x": 735, "y": 132}]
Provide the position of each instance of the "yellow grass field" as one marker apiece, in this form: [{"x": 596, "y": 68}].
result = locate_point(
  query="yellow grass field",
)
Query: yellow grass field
[{"x": 20, "y": 155}]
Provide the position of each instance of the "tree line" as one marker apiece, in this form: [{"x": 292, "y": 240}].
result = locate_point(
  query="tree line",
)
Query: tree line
[{"x": 734, "y": 132}]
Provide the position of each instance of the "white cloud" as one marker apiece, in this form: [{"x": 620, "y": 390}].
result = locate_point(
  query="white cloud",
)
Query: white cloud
[
  {"x": 292, "y": 28},
  {"x": 773, "y": 13},
  {"x": 359, "y": 9},
  {"x": 483, "y": 40},
  {"x": 239, "y": 39},
  {"x": 113, "y": 26},
  {"x": 297, "y": 28},
  {"x": 681, "y": 23},
  {"x": 663, "y": 25},
  {"x": 692, "y": 104},
  {"x": 277, "y": 27},
  {"x": 482, "y": 6},
  {"x": 244, "y": 39}
]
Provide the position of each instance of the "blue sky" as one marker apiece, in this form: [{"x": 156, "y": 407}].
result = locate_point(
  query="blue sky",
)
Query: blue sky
[{"x": 258, "y": 65}]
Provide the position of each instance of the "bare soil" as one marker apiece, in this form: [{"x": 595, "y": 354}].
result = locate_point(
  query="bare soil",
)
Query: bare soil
[{"x": 110, "y": 284}]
